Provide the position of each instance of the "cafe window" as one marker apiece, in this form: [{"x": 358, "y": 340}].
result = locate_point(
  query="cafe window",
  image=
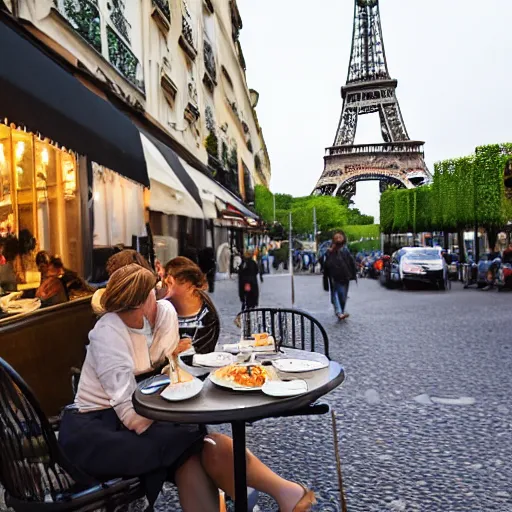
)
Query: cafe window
[
  {"x": 118, "y": 208},
  {"x": 39, "y": 194}
]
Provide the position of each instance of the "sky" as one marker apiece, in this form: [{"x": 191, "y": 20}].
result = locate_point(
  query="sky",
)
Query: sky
[{"x": 452, "y": 60}]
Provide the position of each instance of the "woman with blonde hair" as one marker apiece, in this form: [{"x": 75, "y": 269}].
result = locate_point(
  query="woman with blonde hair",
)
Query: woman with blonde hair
[
  {"x": 105, "y": 437},
  {"x": 199, "y": 323},
  {"x": 115, "y": 262}
]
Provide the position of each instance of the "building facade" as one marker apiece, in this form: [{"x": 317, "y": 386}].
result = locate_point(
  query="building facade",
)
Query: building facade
[
  {"x": 178, "y": 60},
  {"x": 177, "y": 64}
]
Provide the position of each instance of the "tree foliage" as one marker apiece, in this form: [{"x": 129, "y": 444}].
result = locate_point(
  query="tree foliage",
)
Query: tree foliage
[{"x": 331, "y": 212}]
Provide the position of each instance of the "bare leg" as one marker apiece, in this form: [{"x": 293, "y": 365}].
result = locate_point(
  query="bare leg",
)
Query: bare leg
[
  {"x": 196, "y": 489},
  {"x": 217, "y": 461}
]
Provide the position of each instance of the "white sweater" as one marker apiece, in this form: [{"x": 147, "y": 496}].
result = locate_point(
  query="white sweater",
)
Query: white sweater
[{"x": 116, "y": 355}]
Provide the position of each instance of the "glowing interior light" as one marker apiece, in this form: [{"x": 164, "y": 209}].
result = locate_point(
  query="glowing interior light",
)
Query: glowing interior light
[
  {"x": 2, "y": 155},
  {"x": 45, "y": 158},
  {"x": 20, "y": 150}
]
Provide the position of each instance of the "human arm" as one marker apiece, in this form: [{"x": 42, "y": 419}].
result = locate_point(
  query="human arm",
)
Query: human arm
[{"x": 113, "y": 364}]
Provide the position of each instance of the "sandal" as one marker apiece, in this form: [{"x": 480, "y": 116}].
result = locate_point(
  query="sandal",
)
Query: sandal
[{"x": 306, "y": 502}]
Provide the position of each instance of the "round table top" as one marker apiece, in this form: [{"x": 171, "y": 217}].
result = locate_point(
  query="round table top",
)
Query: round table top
[{"x": 216, "y": 405}]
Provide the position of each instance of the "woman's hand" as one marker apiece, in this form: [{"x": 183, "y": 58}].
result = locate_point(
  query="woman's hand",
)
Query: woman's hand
[{"x": 183, "y": 345}]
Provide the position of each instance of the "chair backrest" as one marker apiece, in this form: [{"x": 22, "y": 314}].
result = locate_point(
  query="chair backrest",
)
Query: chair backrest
[
  {"x": 291, "y": 328},
  {"x": 32, "y": 466}
]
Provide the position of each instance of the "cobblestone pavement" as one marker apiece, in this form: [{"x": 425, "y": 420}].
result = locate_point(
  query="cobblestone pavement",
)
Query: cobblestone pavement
[{"x": 425, "y": 414}]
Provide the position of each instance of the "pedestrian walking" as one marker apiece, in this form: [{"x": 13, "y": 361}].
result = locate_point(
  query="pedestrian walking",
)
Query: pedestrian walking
[
  {"x": 248, "y": 289},
  {"x": 339, "y": 270}
]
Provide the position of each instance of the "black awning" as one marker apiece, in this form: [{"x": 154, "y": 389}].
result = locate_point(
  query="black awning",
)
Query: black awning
[
  {"x": 38, "y": 93},
  {"x": 172, "y": 159}
]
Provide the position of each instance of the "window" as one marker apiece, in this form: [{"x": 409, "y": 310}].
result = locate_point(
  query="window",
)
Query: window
[
  {"x": 39, "y": 194},
  {"x": 103, "y": 24},
  {"x": 118, "y": 208}
]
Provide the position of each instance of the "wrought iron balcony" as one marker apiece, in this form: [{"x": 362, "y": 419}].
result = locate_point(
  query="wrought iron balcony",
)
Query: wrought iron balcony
[
  {"x": 162, "y": 15},
  {"x": 186, "y": 40},
  {"x": 84, "y": 17},
  {"x": 225, "y": 177},
  {"x": 123, "y": 59},
  {"x": 210, "y": 78},
  {"x": 368, "y": 149},
  {"x": 163, "y": 5}
]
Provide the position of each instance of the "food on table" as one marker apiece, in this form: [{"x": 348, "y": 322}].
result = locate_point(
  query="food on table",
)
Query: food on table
[
  {"x": 252, "y": 376},
  {"x": 262, "y": 339}
]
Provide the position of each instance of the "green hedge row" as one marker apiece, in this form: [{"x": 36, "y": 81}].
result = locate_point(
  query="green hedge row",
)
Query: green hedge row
[{"x": 465, "y": 192}]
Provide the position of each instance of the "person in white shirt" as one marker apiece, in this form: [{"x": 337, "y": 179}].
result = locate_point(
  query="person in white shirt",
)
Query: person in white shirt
[{"x": 105, "y": 437}]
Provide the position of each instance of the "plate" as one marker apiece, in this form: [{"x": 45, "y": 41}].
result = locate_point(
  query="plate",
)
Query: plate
[
  {"x": 182, "y": 390},
  {"x": 283, "y": 388},
  {"x": 298, "y": 365},
  {"x": 248, "y": 346},
  {"x": 228, "y": 384},
  {"x": 213, "y": 359}
]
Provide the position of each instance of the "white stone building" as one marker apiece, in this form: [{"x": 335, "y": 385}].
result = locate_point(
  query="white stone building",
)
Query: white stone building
[{"x": 177, "y": 69}]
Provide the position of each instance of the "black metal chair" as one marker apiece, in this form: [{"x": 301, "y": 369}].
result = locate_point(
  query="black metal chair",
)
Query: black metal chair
[
  {"x": 34, "y": 472},
  {"x": 291, "y": 328}
]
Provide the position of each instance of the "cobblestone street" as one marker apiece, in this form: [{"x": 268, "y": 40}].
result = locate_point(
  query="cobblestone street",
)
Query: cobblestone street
[{"x": 425, "y": 412}]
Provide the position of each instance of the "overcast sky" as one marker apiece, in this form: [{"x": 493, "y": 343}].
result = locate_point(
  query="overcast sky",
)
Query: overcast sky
[{"x": 452, "y": 59}]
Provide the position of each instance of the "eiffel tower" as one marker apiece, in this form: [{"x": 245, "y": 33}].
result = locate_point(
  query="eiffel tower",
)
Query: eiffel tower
[{"x": 370, "y": 89}]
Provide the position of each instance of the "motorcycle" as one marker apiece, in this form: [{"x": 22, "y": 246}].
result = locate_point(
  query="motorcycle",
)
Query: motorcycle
[{"x": 503, "y": 280}]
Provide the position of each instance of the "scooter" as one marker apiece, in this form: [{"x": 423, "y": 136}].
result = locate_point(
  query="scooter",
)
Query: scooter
[{"x": 503, "y": 280}]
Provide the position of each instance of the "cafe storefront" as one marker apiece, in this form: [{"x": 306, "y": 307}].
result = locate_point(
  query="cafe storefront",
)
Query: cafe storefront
[{"x": 39, "y": 197}]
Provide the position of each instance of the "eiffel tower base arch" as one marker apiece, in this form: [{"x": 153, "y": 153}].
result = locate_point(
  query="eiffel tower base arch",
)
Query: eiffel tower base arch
[{"x": 399, "y": 164}]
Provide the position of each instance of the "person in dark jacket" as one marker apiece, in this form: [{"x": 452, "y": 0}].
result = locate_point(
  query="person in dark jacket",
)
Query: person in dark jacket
[
  {"x": 339, "y": 270},
  {"x": 208, "y": 265},
  {"x": 248, "y": 289}
]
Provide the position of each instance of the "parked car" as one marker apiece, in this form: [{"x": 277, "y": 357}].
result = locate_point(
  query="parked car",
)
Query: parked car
[{"x": 417, "y": 264}]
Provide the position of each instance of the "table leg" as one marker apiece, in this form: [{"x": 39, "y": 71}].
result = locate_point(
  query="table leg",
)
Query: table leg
[{"x": 238, "y": 430}]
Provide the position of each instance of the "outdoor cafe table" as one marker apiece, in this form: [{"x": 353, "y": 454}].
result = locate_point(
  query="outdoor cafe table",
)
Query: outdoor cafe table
[{"x": 216, "y": 405}]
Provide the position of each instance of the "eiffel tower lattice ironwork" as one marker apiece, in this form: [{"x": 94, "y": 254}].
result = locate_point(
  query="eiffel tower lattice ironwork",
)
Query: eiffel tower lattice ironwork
[{"x": 370, "y": 89}]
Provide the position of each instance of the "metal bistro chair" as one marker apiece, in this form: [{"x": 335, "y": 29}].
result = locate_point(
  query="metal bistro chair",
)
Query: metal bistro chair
[
  {"x": 36, "y": 475},
  {"x": 290, "y": 328}
]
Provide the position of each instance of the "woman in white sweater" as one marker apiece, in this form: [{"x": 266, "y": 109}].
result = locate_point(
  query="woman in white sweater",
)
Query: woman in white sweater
[{"x": 105, "y": 437}]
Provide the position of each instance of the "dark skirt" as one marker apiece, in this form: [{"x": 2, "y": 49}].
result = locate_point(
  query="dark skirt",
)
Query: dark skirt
[{"x": 99, "y": 444}]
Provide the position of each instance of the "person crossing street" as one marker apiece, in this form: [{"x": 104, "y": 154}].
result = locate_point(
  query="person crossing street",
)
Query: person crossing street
[{"x": 339, "y": 270}]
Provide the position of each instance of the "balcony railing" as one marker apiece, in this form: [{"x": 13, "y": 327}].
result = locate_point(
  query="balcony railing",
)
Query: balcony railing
[
  {"x": 163, "y": 5},
  {"x": 187, "y": 33},
  {"x": 365, "y": 149},
  {"x": 123, "y": 59},
  {"x": 84, "y": 17},
  {"x": 225, "y": 177},
  {"x": 210, "y": 66}
]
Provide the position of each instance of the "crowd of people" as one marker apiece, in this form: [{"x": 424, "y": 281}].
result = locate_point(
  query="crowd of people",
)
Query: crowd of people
[{"x": 146, "y": 319}]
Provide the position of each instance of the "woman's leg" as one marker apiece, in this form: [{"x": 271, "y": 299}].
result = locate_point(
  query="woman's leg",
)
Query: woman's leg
[
  {"x": 196, "y": 489},
  {"x": 217, "y": 460}
]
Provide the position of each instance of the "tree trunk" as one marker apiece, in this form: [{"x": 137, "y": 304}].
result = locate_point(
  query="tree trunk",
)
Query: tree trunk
[
  {"x": 462, "y": 246},
  {"x": 492, "y": 236},
  {"x": 476, "y": 255},
  {"x": 446, "y": 240}
]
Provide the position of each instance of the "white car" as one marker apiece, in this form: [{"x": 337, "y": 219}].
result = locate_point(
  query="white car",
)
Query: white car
[{"x": 419, "y": 264}]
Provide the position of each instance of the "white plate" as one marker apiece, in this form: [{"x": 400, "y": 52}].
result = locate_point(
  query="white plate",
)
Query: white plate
[
  {"x": 214, "y": 359},
  {"x": 280, "y": 388},
  {"x": 248, "y": 346},
  {"x": 224, "y": 383},
  {"x": 182, "y": 390},
  {"x": 298, "y": 365}
]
